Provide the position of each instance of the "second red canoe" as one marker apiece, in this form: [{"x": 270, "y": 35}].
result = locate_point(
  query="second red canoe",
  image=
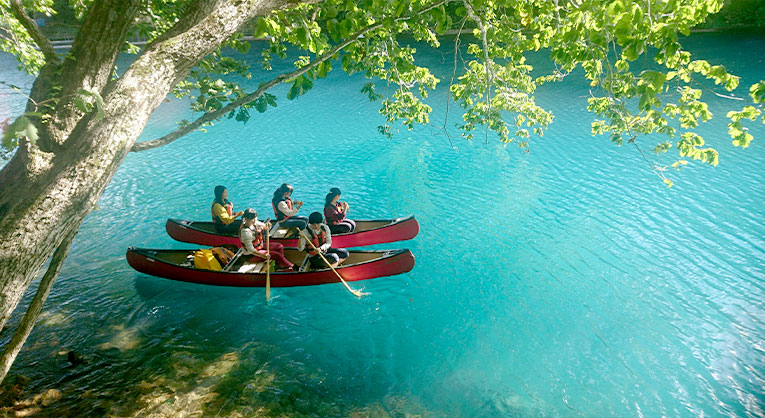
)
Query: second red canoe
[{"x": 368, "y": 232}]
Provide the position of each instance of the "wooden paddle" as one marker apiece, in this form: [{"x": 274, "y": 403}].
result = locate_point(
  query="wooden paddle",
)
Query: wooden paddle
[
  {"x": 268, "y": 262},
  {"x": 355, "y": 292}
]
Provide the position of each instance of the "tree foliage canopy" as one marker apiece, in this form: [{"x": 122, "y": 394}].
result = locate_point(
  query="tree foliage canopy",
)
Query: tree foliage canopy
[{"x": 611, "y": 41}]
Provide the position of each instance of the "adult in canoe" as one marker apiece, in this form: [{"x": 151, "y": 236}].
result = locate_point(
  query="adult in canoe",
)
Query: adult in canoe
[
  {"x": 222, "y": 211},
  {"x": 253, "y": 242},
  {"x": 335, "y": 211},
  {"x": 321, "y": 237},
  {"x": 286, "y": 210}
]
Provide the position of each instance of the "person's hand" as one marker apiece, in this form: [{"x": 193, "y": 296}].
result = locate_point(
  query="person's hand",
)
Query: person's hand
[
  {"x": 299, "y": 203},
  {"x": 324, "y": 248}
]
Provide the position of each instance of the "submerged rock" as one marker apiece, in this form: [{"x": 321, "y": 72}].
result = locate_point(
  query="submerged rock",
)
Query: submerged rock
[
  {"x": 12, "y": 389},
  {"x": 375, "y": 410},
  {"x": 222, "y": 366},
  {"x": 32, "y": 406},
  {"x": 125, "y": 339},
  {"x": 75, "y": 358},
  {"x": 163, "y": 401},
  {"x": 52, "y": 319}
]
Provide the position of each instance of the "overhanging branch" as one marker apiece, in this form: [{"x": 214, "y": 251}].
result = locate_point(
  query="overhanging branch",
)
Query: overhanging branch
[
  {"x": 211, "y": 116},
  {"x": 34, "y": 31}
]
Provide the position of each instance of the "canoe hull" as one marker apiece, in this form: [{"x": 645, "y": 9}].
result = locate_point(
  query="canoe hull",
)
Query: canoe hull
[
  {"x": 396, "y": 230},
  {"x": 391, "y": 263}
]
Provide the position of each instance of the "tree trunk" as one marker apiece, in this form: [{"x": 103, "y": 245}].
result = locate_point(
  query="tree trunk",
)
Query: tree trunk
[
  {"x": 46, "y": 195},
  {"x": 33, "y": 312}
]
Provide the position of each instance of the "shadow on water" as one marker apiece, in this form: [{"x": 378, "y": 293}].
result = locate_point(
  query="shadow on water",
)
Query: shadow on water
[{"x": 148, "y": 368}]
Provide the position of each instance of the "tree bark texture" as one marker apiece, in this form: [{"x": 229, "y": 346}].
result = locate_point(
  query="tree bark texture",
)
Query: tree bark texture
[{"x": 46, "y": 195}]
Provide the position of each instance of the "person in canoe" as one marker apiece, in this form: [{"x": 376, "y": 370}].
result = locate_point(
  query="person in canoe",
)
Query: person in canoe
[
  {"x": 321, "y": 237},
  {"x": 286, "y": 210},
  {"x": 335, "y": 211},
  {"x": 222, "y": 211},
  {"x": 253, "y": 241}
]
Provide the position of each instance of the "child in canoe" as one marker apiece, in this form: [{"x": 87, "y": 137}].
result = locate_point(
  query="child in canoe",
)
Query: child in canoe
[
  {"x": 335, "y": 211},
  {"x": 321, "y": 238},
  {"x": 253, "y": 241},
  {"x": 222, "y": 211},
  {"x": 286, "y": 210}
]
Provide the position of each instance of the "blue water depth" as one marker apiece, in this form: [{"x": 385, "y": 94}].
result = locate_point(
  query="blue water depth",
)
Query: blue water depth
[{"x": 567, "y": 281}]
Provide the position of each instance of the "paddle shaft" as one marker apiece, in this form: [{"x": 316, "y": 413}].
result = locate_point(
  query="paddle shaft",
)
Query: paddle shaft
[
  {"x": 268, "y": 262},
  {"x": 318, "y": 251}
]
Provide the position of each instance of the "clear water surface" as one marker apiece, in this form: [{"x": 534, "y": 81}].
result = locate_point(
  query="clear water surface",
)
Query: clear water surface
[{"x": 568, "y": 281}]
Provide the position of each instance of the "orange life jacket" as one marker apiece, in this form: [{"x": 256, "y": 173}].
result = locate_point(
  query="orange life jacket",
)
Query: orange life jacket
[
  {"x": 317, "y": 240},
  {"x": 257, "y": 240}
]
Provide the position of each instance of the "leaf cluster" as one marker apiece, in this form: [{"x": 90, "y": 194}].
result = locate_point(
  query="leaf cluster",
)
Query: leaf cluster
[{"x": 643, "y": 82}]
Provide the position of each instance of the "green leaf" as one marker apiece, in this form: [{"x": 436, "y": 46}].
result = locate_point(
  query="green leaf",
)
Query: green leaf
[
  {"x": 85, "y": 101},
  {"x": 22, "y": 127},
  {"x": 303, "y": 36},
  {"x": 271, "y": 99},
  {"x": 757, "y": 92},
  {"x": 243, "y": 115},
  {"x": 82, "y": 105},
  {"x": 296, "y": 89},
  {"x": 260, "y": 105}
]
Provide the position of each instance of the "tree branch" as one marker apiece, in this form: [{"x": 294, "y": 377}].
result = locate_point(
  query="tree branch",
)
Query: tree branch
[
  {"x": 34, "y": 31},
  {"x": 30, "y": 317},
  {"x": 89, "y": 65},
  {"x": 211, "y": 116}
]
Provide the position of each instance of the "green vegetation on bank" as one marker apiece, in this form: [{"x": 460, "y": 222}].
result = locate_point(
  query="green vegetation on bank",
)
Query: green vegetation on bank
[
  {"x": 735, "y": 15},
  {"x": 738, "y": 15}
]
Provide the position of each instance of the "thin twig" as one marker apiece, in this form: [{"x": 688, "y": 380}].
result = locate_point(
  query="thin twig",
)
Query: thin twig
[
  {"x": 487, "y": 63},
  {"x": 451, "y": 82}
]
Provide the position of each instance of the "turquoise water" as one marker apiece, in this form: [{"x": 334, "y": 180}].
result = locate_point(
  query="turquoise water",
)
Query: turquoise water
[{"x": 568, "y": 281}]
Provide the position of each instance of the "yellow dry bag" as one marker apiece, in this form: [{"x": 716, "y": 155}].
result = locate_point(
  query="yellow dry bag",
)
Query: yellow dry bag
[{"x": 204, "y": 259}]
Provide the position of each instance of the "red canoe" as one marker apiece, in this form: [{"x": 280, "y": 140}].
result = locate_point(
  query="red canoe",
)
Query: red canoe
[
  {"x": 176, "y": 265},
  {"x": 368, "y": 232}
]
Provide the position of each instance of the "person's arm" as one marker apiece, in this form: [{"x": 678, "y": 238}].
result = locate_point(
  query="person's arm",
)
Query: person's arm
[
  {"x": 246, "y": 238},
  {"x": 249, "y": 249},
  {"x": 286, "y": 210},
  {"x": 301, "y": 242},
  {"x": 327, "y": 244}
]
